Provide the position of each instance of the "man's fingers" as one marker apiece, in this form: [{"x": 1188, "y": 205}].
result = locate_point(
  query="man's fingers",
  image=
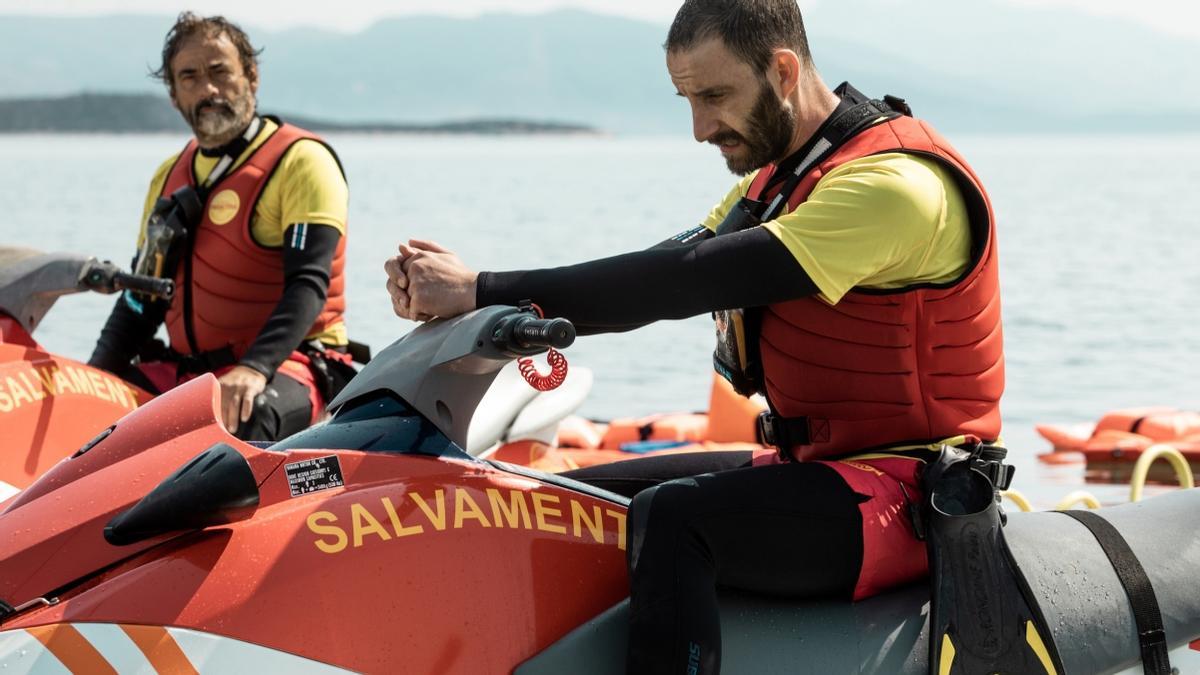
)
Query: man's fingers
[
  {"x": 414, "y": 305},
  {"x": 229, "y": 408},
  {"x": 395, "y": 271},
  {"x": 397, "y": 293},
  {"x": 247, "y": 406},
  {"x": 431, "y": 282},
  {"x": 400, "y": 301},
  {"x": 427, "y": 245},
  {"x": 397, "y": 282}
]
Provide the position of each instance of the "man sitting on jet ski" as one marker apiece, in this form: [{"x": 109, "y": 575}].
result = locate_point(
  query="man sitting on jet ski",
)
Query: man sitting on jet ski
[
  {"x": 250, "y": 221},
  {"x": 852, "y": 273}
]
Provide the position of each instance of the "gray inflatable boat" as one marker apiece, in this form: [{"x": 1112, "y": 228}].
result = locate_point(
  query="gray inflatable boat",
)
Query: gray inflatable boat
[{"x": 1082, "y": 599}]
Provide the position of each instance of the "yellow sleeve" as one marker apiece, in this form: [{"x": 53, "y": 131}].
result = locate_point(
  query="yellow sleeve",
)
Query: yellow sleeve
[
  {"x": 155, "y": 191},
  {"x": 884, "y": 221},
  {"x": 308, "y": 187},
  {"x": 718, "y": 213}
]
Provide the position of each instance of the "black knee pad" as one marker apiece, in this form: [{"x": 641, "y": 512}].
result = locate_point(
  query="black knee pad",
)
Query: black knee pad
[
  {"x": 263, "y": 424},
  {"x": 280, "y": 411},
  {"x": 668, "y": 502},
  {"x": 638, "y": 517}
]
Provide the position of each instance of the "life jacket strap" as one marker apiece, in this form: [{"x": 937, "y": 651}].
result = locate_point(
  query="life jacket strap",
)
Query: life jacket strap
[{"x": 202, "y": 362}]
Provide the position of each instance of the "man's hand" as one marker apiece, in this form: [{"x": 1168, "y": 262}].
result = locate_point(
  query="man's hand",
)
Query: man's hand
[
  {"x": 426, "y": 280},
  {"x": 239, "y": 387}
]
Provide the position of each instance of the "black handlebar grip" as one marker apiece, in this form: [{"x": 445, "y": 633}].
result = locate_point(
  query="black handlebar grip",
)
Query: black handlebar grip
[
  {"x": 557, "y": 333},
  {"x": 163, "y": 288}
]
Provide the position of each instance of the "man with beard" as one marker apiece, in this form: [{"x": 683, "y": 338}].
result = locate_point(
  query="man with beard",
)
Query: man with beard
[
  {"x": 259, "y": 271},
  {"x": 853, "y": 276}
]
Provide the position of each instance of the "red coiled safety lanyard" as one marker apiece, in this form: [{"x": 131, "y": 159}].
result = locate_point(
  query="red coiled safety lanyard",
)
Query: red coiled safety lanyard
[{"x": 558, "y": 366}]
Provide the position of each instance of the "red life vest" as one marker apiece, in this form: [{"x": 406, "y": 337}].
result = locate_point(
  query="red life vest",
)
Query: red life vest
[
  {"x": 234, "y": 283},
  {"x": 886, "y": 367}
]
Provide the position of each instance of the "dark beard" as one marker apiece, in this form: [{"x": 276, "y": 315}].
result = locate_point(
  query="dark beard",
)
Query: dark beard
[{"x": 770, "y": 129}]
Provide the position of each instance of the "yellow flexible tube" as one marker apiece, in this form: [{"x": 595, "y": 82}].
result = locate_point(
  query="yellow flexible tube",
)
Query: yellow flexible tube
[
  {"x": 1078, "y": 497},
  {"x": 1175, "y": 458},
  {"x": 1017, "y": 498}
]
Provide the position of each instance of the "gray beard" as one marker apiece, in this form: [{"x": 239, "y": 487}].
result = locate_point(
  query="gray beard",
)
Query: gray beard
[{"x": 216, "y": 127}]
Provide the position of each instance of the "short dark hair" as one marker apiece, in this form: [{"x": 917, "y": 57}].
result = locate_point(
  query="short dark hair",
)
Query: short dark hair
[
  {"x": 189, "y": 25},
  {"x": 751, "y": 29}
]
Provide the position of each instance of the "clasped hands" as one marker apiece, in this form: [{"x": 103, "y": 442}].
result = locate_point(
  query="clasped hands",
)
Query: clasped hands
[{"x": 427, "y": 281}]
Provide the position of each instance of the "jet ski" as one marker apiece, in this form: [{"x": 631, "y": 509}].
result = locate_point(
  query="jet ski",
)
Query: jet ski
[
  {"x": 375, "y": 543},
  {"x": 51, "y": 405}
]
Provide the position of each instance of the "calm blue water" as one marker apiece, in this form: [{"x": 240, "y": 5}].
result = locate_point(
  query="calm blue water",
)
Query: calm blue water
[{"x": 1098, "y": 244}]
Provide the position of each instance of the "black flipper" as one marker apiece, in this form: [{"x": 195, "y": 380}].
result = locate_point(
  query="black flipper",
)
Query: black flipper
[{"x": 983, "y": 618}]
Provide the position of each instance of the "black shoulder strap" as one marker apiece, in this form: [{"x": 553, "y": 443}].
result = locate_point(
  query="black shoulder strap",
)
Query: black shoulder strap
[
  {"x": 229, "y": 155},
  {"x": 844, "y": 125},
  {"x": 1151, "y": 637}
]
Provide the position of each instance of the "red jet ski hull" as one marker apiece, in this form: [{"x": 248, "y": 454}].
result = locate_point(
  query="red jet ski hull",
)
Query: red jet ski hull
[{"x": 50, "y": 406}]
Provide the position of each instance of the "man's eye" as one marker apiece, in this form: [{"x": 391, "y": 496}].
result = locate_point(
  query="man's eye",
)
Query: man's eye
[{"x": 714, "y": 97}]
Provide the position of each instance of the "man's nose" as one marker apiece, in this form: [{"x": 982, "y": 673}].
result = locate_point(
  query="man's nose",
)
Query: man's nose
[
  {"x": 207, "y": 87},
  {"x": 704, "y": 125}
]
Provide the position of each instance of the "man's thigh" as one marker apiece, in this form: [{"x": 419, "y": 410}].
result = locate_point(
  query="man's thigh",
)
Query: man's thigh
[
  {"x": 631, "y": 476},
  {"x": 790, "y": 529}
]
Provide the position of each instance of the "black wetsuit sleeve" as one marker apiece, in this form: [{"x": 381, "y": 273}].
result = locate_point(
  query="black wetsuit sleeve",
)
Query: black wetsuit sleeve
[
  {"x": 745, "y": 269},
  {"x": 125, "y": 333},
  {"x": 306, "y": 269}
]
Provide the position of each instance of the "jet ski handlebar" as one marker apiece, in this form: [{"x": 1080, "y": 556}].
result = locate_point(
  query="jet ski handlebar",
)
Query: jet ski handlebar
[
  {"x": 525, "y": 333},
  {"x": 163, "y": 288},
  {"x": 105, "y": 277}
]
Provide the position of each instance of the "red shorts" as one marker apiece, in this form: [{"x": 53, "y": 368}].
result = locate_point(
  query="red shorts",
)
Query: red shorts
[{"x": 892, "y": 554}]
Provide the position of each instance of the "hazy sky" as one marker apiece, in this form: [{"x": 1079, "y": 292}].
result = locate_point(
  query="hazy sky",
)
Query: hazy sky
[{"x": 1176, "y": 16}]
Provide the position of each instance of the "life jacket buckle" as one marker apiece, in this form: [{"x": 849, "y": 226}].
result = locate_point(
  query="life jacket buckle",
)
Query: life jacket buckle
[
  {"x": 784, "y": 433},
  {"x": 988, "y": 459},
  {"x": 766, "y": 430},
  {"x": 898, "y": 104}
]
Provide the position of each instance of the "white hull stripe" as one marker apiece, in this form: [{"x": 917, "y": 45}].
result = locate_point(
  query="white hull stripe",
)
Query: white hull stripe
[
  {"x": 21, "y": 653},
  {"x": 61, "y": 649},
  {"x": 116, "y": 647},
  {"x": 7, "y": 490}
]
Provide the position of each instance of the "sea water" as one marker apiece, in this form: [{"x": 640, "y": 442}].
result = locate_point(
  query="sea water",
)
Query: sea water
[{"x": 1099, "y": 251}]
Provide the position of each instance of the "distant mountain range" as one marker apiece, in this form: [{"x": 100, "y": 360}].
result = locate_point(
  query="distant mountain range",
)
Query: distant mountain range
[
  {"x": 983, "y": 65},
  {"x": 127, "y": 113}
]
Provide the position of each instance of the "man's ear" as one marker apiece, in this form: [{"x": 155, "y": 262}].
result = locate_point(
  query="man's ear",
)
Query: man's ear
[
  {"x": 784, "y": 71},
  {"x": 252, "y": 75},
  {"x": 171, "y": 95}
]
